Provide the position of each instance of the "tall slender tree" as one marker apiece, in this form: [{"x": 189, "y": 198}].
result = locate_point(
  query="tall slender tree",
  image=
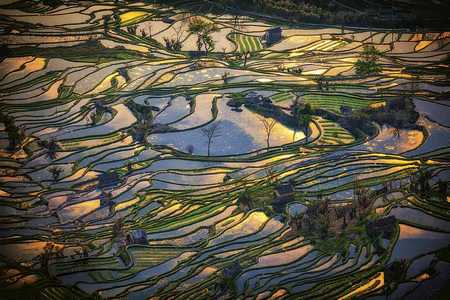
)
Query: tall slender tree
[
  {"x": 304, "y": 120},
  {"x": 203, "y": 30},
  {"x": 269, "y": 125},
  {"x": 295, "y": 109},
  {"x": 211, "y": 132}
]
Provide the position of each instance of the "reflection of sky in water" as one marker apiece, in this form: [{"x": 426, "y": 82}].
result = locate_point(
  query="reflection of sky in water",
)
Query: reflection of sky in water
[
  {"x": 123, "y": 119},
  {"x": 75, "y": 211},
  {"x": 240, "y": 132},
  {"x": 387, "y": 142},
  {"x": 419, "y": 217},
  {"x": 436, "y": 112},
  {"x": 24, "y": 251},
  {"x": 179, "y": 108},
  {"x": 170, "y": 110},
  {"x": 203, "y": 75},
  {"x": 414, "y": 241},
  {"x": 232, "y": 137},
  {"x": 154, "y": 101},
  {"x": 201, "y": 115},
  {"x": 439, "y": 137}
]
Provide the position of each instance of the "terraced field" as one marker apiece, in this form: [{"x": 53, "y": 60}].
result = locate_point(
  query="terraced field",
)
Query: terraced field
[
  {"x": 133, "y": 170},
  {"x": 334, "y": 102},
  {"x": 247, "y": 43}
]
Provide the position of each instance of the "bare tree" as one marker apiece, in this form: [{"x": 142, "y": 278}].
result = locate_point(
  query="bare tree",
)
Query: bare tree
[
  {"x": 295, "y": 109},
  {"x": 246, "y": 56},
  {"x": 211, "y": 132},
  {"x": 179, "y": 29},
  {"x": 269, "y": 124},
  {"x": 238, "y": 26},
  {"x": 270, "y": 175},
  {"x": 397, "y": 133},
  {"x": 225, "y": 77},
  {"x": 190, "y": 149},
  {"x": 56, "y": 173}
]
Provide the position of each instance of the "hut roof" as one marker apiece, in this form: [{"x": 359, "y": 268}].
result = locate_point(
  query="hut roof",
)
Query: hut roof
[{"x": 284, "y": 188}]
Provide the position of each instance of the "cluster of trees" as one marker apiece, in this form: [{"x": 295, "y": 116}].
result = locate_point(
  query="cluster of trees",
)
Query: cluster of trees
[
  {"x": 398, "y": 113},
  {"x": 293, "y": 70},
  {"x": 226, "y": 283},
  {"x": 56, "y": 173},
  {"x": 245, "y": 201},
  {"x": 317, "y": 219},
  {"x": 116, "y": 24},
  {"x": 379, "y": 14},
  {"x": 16, "y": 135},
  {"x": 176, "y": 43},
  {"x": 394, "y": 273},
  {"x": 116, "y": 21},
  {"x": 173, "y": 44},
  {"x": 51, "y": 146},
  {"x": 132, "y": 29},
  {"x": 322, "y": 219},
  {"x": 203, "y": 30},
  {"x": 361, "y": 199},
  {"x": 323, "y": 84},
  {"x": 302, "y": 116},
  {"x": 50, "y": 251},
  {"x": 198, "y": 26},
  {"x": 99, "y": 112},
  {"x": 143, "y": 128},
  {"x": 368, "y": 63},
  {"x": 53, "y": 3},
  {"x": 420, "y": 183}
]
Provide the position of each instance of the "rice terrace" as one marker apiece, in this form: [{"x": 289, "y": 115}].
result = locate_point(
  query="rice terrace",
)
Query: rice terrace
[{"x": 224, "y": 149}]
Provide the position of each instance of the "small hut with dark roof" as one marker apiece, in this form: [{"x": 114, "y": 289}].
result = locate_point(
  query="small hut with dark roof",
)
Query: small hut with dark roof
[
  {"x": 232, "y": 270},
  {"x": 284, "y": 194},
  {"x": 137, "y": 237},
  {"x": 272, "y": 35},
  {"x": 108, "y": 180},
  {"x": 384, "y": 227},
  {"x": 106, "y": 199},
  {"x": 244, "y": 202},
  {"x": 345, "y": 110}
]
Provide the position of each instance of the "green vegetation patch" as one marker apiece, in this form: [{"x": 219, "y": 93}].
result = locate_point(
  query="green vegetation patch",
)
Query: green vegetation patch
[
  {"x": 284, "y": 96},
  {"x": 334, "y": 103},
  {"x": 444, "y": 254},
  {"x": 247, "y": 43}
]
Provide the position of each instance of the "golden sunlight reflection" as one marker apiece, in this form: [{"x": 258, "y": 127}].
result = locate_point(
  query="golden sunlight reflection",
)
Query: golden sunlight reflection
[
  {"x": 374, "y": 284},
  {"x": 75, "y": 211}
]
